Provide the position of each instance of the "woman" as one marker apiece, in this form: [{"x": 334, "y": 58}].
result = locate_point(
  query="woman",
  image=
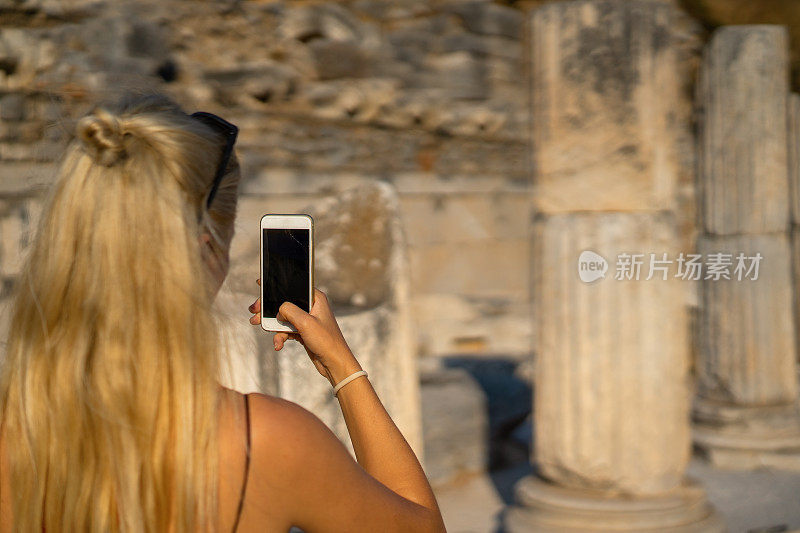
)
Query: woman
[{"x": 113, "y": 418}]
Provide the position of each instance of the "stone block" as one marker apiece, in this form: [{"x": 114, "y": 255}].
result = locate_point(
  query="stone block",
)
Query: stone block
[
  {"x": 339, "y": 59},
  {"x": 743, "y": 93},
  {"x": 12, "y": 107},
  {"x": 27, "y": 132},
  {"x": 487, "y": 18},
  {"x": 263, "y": 80},
  {"x": 794, "y": 236},
  {"x": 461, "y": 74},
  {"x": 611, "y": 386},
  {"x": 455, "y": 425},
  {"x": 483, "y": 268},
  {"x": 46, "y": 151},
  {"x": 483, "y": 45},
  {"x": 308, "y": 147},
  {"x": 25, "y": 177},
  {"x": 18, "y": 221},
  {"x": 455, "y": 323},
  {"x": 450, "y": 218},
  {"x": 605, "y": 94},
  {"x": 26, "y": 54},
  {"x": 794, "y": 157},
  {"x": 328, "y": 21},
  {"x": 747, "y": 353}
]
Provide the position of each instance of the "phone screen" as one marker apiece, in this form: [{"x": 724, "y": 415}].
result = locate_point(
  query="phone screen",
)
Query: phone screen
[{"x": 285, "y": 276}]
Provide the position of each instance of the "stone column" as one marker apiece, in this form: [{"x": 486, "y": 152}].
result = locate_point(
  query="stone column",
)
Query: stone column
[
  {"x": 794, "y": 203},
  {"x": 746, "y": 410},
  {"x": 611, "y": 383}
]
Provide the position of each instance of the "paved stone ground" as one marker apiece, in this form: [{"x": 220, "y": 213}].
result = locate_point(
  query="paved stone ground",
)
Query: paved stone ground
[{"x": 759, "y": 501}]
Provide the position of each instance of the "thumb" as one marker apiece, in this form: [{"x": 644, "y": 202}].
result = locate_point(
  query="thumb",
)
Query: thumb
[{"x": 295, "y": 315}]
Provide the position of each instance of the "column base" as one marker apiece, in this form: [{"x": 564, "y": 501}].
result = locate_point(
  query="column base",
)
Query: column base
[
  {"x": 548, "y": 508},
  {"x": 744, "y": 438}
]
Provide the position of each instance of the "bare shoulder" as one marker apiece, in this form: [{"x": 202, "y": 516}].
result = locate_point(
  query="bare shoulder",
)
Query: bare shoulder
[
  {"x": 279, "y": 423},
  {"x": 311, "y": 480},
  {"x": 292, "y": 453}
]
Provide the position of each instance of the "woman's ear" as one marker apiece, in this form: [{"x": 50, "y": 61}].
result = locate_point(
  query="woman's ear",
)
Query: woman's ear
[{"x": 205, "y": 241}]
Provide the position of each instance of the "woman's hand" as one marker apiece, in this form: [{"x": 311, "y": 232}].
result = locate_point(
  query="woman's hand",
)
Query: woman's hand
[{"x": 319, "y": 334}]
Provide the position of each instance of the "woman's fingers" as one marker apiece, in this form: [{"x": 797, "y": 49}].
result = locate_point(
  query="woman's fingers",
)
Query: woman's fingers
[
  {"x": 279, "y": 339},
  {"x": 255, "y": 308},
  {"x": 294, "y": 315}
]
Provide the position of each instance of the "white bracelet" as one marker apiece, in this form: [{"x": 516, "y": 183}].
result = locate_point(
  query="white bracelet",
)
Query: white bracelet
[{"x": 347, "y": 380}]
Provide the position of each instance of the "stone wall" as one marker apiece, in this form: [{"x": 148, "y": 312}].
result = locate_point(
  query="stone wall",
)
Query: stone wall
[{"x": 428, "y": 96}]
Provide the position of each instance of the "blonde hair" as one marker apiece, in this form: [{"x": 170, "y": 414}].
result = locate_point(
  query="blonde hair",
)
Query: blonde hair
[{"x": 108, "y": 392}]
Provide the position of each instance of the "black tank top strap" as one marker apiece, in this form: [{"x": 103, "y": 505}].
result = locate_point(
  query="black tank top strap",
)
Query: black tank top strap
[{"x": 246, "y": 464}]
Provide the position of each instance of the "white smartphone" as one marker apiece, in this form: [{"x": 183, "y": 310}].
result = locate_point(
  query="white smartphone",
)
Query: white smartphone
[{"x": 287, "y": 266}]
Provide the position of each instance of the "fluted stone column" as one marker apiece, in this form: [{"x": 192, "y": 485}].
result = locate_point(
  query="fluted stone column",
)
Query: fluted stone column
[
  {"x": 794, "y": 201},
  {"x": 604, "y": 423},
  {"x": 744, "y": 93},
  {"x": 746, "y": 410},
  {"x": 611, "y": 391},
  {"x": 794, "y": 158},
  {"x": 748, "y": 329},
  {"x": 611, "y": 394}
]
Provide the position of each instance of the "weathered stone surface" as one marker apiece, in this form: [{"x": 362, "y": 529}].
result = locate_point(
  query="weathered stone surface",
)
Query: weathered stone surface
[
  {"x": 19, "y": 56},
  {"x": 12, "y": 107},
  {"x": 743, "y": 92},
  {"x": 462, "y": 75},
  {"x": 330, "y": 21},
  {"x": 747, "y": 437},
  {"x": 605, "y": 106},
  {"x": 439, "y": 267},
  {"x": 465, "y": 217},
  {"x": 489, "y": 18},
  {"x": 354, "y": 241},
  {"x": 794, "y": 156},
  {"x": 794, "y": 236},
  {"x": 20, "y": 131},
  {"x": 25, "y": 177},
  {"x": 457, "y": 323},
  {"x": 455, "y": 425},
  {"x": 747, "y": 354},
  {"x": 339, "y": 59},
  {"x": 304, "y": 147},
  {"x": 19, "y": 218},
  {"x": 611, "y": 392},
  {"x": 549, "y": 508},
  {"x": 42, "y": 151},
  {"x": 264, "y": 80}
]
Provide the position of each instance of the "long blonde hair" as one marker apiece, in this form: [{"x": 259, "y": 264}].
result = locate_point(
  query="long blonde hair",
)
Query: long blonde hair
[{"x": 108, "y": 391}]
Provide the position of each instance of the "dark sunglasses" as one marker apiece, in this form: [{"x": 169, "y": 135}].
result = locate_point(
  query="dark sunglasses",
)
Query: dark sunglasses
[{"x": 229, "y": 131}]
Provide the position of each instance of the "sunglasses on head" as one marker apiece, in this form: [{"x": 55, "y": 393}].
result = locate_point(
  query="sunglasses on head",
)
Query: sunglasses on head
[{"x": 229, "y": 131}]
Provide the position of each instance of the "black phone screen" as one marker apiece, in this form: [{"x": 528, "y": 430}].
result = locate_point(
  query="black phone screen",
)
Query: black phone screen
[{"x": 285, "y": 269}]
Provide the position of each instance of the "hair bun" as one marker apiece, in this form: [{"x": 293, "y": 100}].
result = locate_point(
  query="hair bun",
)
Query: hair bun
[{"x": 102, "y": 136}]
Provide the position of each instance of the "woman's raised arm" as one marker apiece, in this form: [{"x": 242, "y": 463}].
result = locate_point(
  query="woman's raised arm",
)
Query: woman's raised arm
[{"x": 387, "y": 489}]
